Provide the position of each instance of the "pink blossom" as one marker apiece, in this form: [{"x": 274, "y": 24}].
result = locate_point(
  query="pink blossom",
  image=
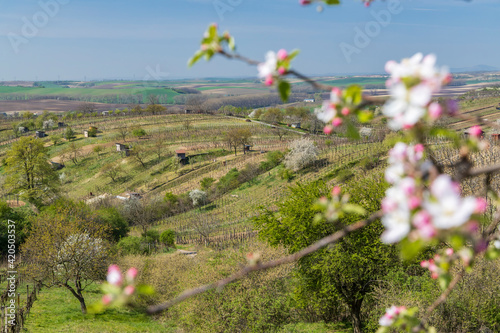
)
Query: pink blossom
[
  {"x": 269, "y": 80},
  {"x": 435, "y": 111},
  {"x": 414, "y": 202},
  {"x": 336, "y": 122},
  {"x": 328, "y": 129},
  {"x": 304, "y": 2},
  {"x": 282, "y": 54},
  {"x": 106, "y": 299},
  {"x": 131, "y": 274},
  {"x": 345, "y": 111},
  {"x": 449, "y": 252},
  {"x": 476, "y": 131},
  {"x": 336, "y": 91},
  {"x": 114, "y": 275},
  {"x": 282, "y": 70},
  {"x": 129, "y": 290},
  {"x": 481, "y": 205},
  {"x": 336, "y": 191}
]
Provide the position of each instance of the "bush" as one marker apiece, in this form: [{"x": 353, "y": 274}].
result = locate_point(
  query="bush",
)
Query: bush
[
  {"x": 168, "y": 238},
  {"x": 151, "y": 236},
  {"x": 171, "y": 198},
  {"x": 229, "y": 181},
  {"x": 112, "y": 218},
  {"x": 138, "y": 132},
  {"x": 302, "y": 153},
  {"x": 199, "y": 197},
  {"x": 273, "y": 159},
  {"x": 286, "y": 174},
  {"x": 206, "y": 183},
  {"x": 130, "y": 245}
]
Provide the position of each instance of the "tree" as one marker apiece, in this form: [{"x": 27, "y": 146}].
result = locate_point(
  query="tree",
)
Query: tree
[
  {"x": 56, "y": 139},
  {"x": 139, "y": 154},
  {"x": 87, "y": 107},
  {"x": 272, "y": 115},
  {"x": 28, "y": 170},
  {"x": 98, "y": 149},
  {"x": 117, "y": 225},
  {"x": 67, "y": 250},
  {"x": 69, "y": 134},
  {"x": 345, "y": 272},
  {"x": 123, "y": 132},
  {"x": 143, "y": 212},
  {"x": 238, "y": 137},
  {"x": 302, "y": 153},
  {"x": 112, "y": 170},
  {"x": 74, "y": 152}
]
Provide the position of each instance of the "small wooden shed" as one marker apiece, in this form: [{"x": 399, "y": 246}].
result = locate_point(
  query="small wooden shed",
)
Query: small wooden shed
[{"x": 40, "y": 134}]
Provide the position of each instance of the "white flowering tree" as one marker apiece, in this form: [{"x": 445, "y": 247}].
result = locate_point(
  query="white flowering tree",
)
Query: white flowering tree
[
  {"x": 199, "y": 197},
  {"x": 303, "y": 152},
  {"x": 67, "y": 251},
  {"x": 423, "y": 206}
]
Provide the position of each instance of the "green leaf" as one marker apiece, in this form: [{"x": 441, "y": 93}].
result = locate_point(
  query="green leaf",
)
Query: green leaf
[
  {"x": 96, "y": 308},
  {"x": 353, "y": 94},
  {"x": 353, "y": 209},
  {"x": 332, "y": 2},
  {"x": 365, "y": 116},
  {"x": 444, "y": 281},
  {"x": 409, "y": 250},
  {"x": 293, "y": 54},
  {"x": 197, "y": 56},
  {"x": 352, "y": 131},
  {"x": 492, "y": 253},
  {"x": 232, "y": 44},
  {"x": 285, "y": 89},
  {"x": 145, "y": 289}
]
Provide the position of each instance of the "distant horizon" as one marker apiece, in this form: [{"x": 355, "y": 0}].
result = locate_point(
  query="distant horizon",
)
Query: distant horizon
[{"x": 51, "y": 40}]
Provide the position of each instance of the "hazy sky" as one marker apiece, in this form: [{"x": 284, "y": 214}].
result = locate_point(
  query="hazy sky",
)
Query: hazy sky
[{"x": 146, "y": 38}]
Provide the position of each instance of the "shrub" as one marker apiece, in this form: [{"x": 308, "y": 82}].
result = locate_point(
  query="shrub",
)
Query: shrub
[
  {"x": 151, "y": 236},
  {"x": 168, "y": 238},
  {"x": 229, "y": 181},
  {"x": 112, "y": 218},
  {"x": 286, "y": 174},
  {"x": 273, "y": 159},
  {"x": 138, "y": 132},
  {"x": 302, "y": 153},
  {"x": 199, "y": 197},
  {"x": 130, "y": 245},
  {"x": 171, "y": 198},
  {"x": 206, "y": 183}
]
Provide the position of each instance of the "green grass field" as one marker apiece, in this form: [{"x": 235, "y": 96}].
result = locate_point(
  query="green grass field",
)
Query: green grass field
[{"x": 56, "y": 310}]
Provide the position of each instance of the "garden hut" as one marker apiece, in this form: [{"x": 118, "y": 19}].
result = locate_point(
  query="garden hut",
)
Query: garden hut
[
  {"x": 40, "y": 134},
  {"x": 181, "y": 155}
]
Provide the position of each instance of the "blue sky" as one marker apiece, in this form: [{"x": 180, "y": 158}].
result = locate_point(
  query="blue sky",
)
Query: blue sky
[{"x": 126, "y": 39}]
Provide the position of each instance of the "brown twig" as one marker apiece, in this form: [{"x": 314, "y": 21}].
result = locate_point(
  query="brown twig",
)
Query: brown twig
[
  {"x": 442, "y": 298},
  {"x": 270, "y": 264}
]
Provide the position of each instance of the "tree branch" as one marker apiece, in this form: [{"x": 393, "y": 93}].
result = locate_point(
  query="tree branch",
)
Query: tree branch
[{"x": 270, "y": 264}]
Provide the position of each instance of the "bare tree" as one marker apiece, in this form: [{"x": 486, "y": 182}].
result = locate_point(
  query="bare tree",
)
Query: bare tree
[
  {"x": 139, "y": 154},
  {"x": 112, "y": 170},
  {"x": 87, "y": 107},
  {"x": 123, "y": 132}
]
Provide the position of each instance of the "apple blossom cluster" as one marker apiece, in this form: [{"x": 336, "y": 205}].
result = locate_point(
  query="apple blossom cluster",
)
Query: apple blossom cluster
[
  {"x": 411, "y": 86},
  {"x": 341, "y": 105},
  {"x": 391, "y": 314},
  {"x": 212, "y": 43},
  {"x": 411, "y": 209},
  {"x": 276, "y": 65},
  {"x": 337, "y": 206},
  {"x": 118, "y": 292}
]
